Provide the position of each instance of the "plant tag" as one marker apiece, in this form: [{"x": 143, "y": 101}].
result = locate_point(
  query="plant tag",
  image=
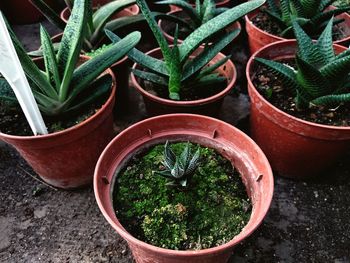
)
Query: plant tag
[{"x": 11, "y": 69}]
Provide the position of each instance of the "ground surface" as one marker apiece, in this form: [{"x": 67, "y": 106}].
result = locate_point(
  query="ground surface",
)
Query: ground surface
[{"x": 307, "y": 222}]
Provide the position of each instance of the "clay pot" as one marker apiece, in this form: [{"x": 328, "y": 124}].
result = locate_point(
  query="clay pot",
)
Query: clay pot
[
  {"x": 209, "y": 106},
  {"x": 20, "y": 11},
  {"x": 233, "y": 144},
  {"x": 259, "y": 38},
  {"x": 66, "y": 159},
  {"x": 227, "y": 50},
  {"x": 296, "y": 148},
  {"x": 222, "y": 3}
]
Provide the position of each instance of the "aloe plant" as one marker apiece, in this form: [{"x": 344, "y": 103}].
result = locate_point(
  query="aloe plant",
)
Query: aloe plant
[
  {"x": 321, "y": 77},
  {"x": 96, "y": 20},
  {"x": 64, "y": 86},
  {"x": 201, "y": 13},
  {"x": 180, "y": 168},
  {"x": 312, "y": 15},
  {"x": 178, "y": 71}
]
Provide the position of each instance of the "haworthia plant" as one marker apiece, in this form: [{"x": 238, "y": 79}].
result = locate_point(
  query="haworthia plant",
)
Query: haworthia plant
[
  {"x": 97, "y": 20},
  {"x": 321, "y": 77},
  {"x": 199, "y": 14},
  {"x": 177, "y": 70},
  {"x": 179, "y": 169},
  {"x": 57, "y": 89},
  {"x": 312, "y": 15}
]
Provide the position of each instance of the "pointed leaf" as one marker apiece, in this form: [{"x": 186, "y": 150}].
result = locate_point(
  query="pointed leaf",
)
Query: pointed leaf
[
  {"x": 195, "y": 39},
  {"x": 49, "y": 13},
  {"x": 149, "y": 76},
  {"x": 325, "y": 43}
]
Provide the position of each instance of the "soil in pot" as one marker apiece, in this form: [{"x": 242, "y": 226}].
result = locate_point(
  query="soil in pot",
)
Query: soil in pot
[
  {"x": 264, "y": 22},
  {"x": 13, "y": 121},
  {"x": 187, "y": 93},
  {"x": 270, "y": 86},
  {"x": 212, "y": 209}
]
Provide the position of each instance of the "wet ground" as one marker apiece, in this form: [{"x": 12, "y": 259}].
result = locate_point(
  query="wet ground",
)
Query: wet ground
[{"x": 307, "y": 222}]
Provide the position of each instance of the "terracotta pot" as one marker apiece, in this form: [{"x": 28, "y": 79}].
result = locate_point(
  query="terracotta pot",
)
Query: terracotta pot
[
  {"x": 296, "y": 148},
  {"x": 224, "y": 138},
  {"x": 222, "y": 3},
  {"x": 209, "y": 106},
  {"x": 20, "y": 11},
  {"x": 129, "y": 11},
  {"x": 227, "y": 50},
  {"x": 67, "y": 159},
  {"x": 259, "y": 38}
]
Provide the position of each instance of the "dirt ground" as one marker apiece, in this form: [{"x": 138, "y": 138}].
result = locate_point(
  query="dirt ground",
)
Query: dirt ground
[{"x": 307, "y": 222}]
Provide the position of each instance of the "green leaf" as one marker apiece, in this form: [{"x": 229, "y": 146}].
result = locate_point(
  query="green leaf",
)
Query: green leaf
[
  {"x": 97, "y": 89},
  {"x": 142, "y": 59},
  {"x": 150, "y": 77},
  {"x": 6, "y": 93},
  {"x": 330, "y": 100},
  {"x": 336, "y": 71},
  {"x": 307, "y": 50},
  {"x": 311, "y": 80},
  {"x": 310, "y": 7},
  {"x": 31, "y": 70},
  {"x": 39, "y": 52},
  {"x": 273, "y": 6},
  {"x": 194, "y": 65},
  {"x": 105, "y": 12},
  {"x": 325, "y": 16},
  {"x": 92, "y": 68},
  {"x": 70, "y": 47},
  {"x": 325, "y": 43},
  {"x": 49, "y": 13},
  {"x": 283, "y": 72},
  {"x": 209, "y": 69},
  {"x": 156, "y": 31},
  {"x": 211, "y": 80},
  {"x": 175, "y": 70},
  {"x": 195, "y": 39},
  {"x": 209, "y": 8},
  {"x": 285, "y": 11},
  {"x": 49, "y": 58}
]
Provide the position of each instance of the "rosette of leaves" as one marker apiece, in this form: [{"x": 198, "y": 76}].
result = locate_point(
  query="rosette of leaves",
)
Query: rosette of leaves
[
  {"x": 312, "y": 15},
  {"x": 64, "y": 86},
  {"x": 179, "y": 169},
  {"x": 321, "y": 77},
  {"x": 199, "y": 14},
  {"x": 177, "y": 70}
]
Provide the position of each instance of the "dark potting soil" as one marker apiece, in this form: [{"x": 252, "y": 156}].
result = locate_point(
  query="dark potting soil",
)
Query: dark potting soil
[
  {"x": 13, "y": 121},
  {"x": 268, "y": 85},
  {"x": 187, "y": 93},
  {"x": 264, "y": 22},
  {"x": 210, "y": 211}
]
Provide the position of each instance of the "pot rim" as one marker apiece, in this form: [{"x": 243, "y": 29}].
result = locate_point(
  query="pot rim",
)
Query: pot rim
[
  {"x": 234, "y": 241},
  {"x": 286, "y": 115},
  {"x": 75, "y": 127},
  {"x": 234, "y": 25},
  {"x": 169, "y": 102},
  {"x": 248, "y": 19}
]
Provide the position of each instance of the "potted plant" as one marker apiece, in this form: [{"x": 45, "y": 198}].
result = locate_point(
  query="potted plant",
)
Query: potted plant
[
  {"x": 77, "y": 103},
  {"x": 215, "y": 139},
  {"x": 274, "y": 22},
  {"x": 174, "y": 78},
  {"x": 192, "y": 18},
  {"x": 300, "y": 94}
]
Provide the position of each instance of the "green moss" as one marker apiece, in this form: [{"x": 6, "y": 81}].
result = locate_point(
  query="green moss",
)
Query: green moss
[{"x": 209, "y": 212}]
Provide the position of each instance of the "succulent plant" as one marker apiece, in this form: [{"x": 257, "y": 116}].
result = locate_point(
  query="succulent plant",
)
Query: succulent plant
[
  {"x": 312, "y": 15},
  {"x": 178, "y": 71},
  {"x": 64, "y": 86},
  {"x": 199, "y": 14},
  {"x": 321, "y": 77},
  {"x": 179, "y": 168}
]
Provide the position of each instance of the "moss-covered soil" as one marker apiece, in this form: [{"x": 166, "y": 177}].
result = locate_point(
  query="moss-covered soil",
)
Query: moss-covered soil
[{"x": 209, "y": 212}]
